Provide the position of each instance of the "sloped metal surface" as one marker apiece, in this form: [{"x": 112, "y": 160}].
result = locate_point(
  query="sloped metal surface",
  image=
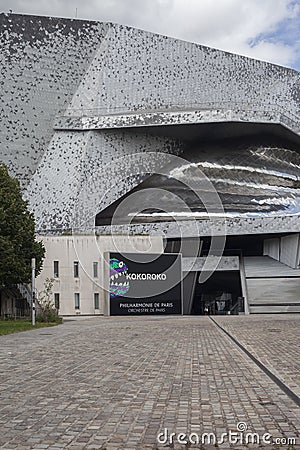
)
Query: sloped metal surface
[{"x": 250, "y": 181}]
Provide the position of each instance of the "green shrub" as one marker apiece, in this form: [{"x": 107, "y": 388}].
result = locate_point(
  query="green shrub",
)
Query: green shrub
[
  {"x": 48, "y": 316},
  {"x": 46, "y": 308}
]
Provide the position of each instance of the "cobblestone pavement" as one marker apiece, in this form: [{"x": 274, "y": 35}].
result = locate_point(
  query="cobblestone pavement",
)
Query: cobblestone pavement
[
  {"x": 115, "y": 383},
  {"x": 276, "y": 344}
]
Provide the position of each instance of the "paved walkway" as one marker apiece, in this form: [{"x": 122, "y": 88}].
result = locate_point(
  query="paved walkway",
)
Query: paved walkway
[
  {"x": 275, "y": 341},
  {"x": 115, "y": 383}
]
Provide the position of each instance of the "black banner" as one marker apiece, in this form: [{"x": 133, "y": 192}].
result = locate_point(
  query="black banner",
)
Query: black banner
[{"x": 145, "y": 284}]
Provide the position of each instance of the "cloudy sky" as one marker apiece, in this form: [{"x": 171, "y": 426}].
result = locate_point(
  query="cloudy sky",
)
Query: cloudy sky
[{"x": 263, "y": 29}]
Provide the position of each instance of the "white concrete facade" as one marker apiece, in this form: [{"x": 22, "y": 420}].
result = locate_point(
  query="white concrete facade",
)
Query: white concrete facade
[
  {"x": 76, "y": 263},
  {"x": 285, "y": 249}
]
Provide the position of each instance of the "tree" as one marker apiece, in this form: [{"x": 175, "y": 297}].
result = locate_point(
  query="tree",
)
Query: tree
[{"x": 18, "y": 244}]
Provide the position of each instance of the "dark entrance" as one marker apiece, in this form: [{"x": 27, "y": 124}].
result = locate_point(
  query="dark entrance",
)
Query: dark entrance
[{"x": 220, "y": 294}]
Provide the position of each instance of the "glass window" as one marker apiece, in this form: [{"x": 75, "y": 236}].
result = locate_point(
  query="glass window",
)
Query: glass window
[
  {"x": 95, "y": 269},
  {"x": 96, "y": 300},
  {"x": 56, "y": 269},
  {"x": 76, "y": 269},
  {"x": 77, "y": 300},
  {"x": 56, "y": 300}
]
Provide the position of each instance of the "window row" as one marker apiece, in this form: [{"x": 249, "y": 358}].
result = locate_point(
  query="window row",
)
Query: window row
[
  {"x": 75, "y": 269},
  {"x": 76, "y": 300}
]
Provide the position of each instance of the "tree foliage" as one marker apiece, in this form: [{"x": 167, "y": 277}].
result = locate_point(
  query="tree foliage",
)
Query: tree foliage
[{"x": 18, "y": 244}]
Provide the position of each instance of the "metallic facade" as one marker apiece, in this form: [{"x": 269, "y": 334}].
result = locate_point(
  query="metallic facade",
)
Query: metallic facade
[{"x": 80, "y": 98}]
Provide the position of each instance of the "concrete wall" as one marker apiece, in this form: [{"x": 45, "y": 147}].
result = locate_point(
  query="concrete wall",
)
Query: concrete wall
[
  {"x": 272, "y": 287},
  {"x": 289, "y": 250},
  {"x": 285, "y": 249},
  {"x": 268, "y": 295},
  {"x": 86, "y": 250},
  {"x": 272, "y": 248}
]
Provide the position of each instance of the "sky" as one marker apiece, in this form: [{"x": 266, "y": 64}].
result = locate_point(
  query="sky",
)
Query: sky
[{"x": 262, "y": 29}]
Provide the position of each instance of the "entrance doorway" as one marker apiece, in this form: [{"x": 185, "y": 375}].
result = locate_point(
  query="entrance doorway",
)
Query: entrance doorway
[{"x": 221, "y": 294}]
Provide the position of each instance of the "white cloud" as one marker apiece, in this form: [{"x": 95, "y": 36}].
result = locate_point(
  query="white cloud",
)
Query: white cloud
[
  {"x": 267, "y": 51},
  {"x": 238, "y": 26},
  {"x": 231, "y": 25}
]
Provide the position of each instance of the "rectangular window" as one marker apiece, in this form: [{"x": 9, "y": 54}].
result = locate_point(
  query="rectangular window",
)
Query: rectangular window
[
  {"x": 95, "y": 269},
  {"x": 76, "y": 269},
  {"x": 56, "y": 300},
  {"x": 56, "y": 269},
  {"x": 77, "y": 300},
  {"x": 96, "y": 300}
]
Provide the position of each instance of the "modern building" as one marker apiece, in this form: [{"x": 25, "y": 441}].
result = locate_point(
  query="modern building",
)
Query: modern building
[{"x": 132, "y": 141}]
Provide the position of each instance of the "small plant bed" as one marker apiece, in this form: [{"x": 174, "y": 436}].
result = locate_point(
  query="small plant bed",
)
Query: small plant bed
[{"x": 9, "y": 326}]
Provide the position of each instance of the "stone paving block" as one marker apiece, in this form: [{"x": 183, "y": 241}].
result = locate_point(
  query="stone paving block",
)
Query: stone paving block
[{"x": 115, "y": 383}]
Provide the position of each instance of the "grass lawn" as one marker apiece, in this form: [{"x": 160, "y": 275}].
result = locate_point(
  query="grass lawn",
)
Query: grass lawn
[{"x": 13, "y": 326}]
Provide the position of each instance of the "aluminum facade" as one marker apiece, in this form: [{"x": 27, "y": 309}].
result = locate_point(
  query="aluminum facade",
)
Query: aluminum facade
[{"x": 75, "y": 94}]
